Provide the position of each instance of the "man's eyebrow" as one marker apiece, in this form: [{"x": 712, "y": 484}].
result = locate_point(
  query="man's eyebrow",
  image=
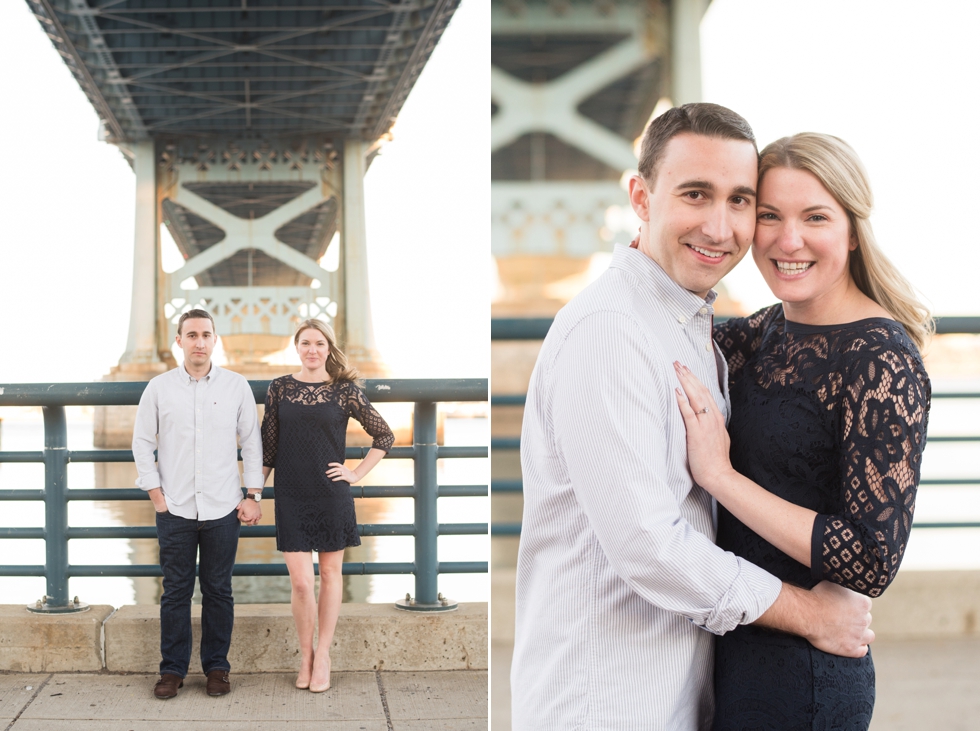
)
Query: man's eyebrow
[
  {"x": 695, "y": 185},
  {"x": 743, "y": 190}
]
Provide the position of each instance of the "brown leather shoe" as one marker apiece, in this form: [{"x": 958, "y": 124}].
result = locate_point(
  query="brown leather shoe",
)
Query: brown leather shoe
[
  {"x": 167, "y": 686},
  {"x": 218, "y": 683}
]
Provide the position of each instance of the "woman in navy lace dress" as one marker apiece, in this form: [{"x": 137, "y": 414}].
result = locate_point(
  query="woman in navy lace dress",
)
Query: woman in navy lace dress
[
  {"x": 829, "y": 406},
  {"x": 304, "y": 437}
]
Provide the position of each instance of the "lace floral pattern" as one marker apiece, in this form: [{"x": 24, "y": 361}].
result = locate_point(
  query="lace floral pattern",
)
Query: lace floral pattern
[
  {"x": 832, "y": 418},
  {"x": 303, "y": 431}
]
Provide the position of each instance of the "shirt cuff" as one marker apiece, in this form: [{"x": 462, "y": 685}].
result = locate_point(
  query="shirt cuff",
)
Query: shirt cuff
[
  {"x": 149, "y": 481},
  {"x": 750, "y": 595},
  {"x": 253, "y": 480}
]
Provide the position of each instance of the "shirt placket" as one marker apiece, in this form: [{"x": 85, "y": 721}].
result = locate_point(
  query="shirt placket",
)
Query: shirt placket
[
  {"x": 699, "y": 333},
  {"x": 200, "y": 396}
]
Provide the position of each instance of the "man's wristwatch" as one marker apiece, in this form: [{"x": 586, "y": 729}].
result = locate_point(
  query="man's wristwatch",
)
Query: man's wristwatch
[{"x": 256, "y": 496}]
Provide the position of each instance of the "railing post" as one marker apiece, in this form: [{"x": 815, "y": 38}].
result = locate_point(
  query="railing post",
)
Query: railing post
[
  {"x": 427, "y": 596},
  {"x": 56, "y": 515}
]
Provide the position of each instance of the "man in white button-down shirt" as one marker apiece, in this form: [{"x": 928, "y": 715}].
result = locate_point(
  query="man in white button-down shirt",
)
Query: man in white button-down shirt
[
  {"x": 194, "y": 416},
  {"x": 619, "y": 583}
]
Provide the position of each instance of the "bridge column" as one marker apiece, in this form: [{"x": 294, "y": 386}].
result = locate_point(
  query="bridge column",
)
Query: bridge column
[
  {"x": 358, "y": 328},
  {"x": 141, "y": 346},
  {"x": 142, "y": 359},
  {"x": 685, "y": 56}
]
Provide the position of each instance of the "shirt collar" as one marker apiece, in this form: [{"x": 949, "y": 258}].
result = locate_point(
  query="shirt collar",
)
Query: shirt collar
[
  {"x": 682, "y": 302},
  {"x": 186, "y": 377}
]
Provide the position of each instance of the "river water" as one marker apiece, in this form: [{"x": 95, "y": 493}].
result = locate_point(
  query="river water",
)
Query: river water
[{"x": 23, "y": 429}]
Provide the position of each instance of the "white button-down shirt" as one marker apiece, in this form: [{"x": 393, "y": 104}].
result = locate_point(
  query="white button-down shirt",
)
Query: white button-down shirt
[
  {"x": 619, "y": 582},
  {"x": 195, "y": 426}
]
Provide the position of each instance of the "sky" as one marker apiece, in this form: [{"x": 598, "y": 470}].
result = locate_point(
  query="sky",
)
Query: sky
[
  {"x": 896, "y": 80},
  {"x": 66, "y": 244}
]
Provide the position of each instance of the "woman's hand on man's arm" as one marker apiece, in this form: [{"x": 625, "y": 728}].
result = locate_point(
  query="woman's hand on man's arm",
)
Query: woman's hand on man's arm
[{"x": 785, "y": 525}]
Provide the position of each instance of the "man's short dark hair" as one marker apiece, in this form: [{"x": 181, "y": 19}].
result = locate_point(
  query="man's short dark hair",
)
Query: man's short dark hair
[
  {"x": 195, "y": 314},
  {"x": 700, "y": 118}
]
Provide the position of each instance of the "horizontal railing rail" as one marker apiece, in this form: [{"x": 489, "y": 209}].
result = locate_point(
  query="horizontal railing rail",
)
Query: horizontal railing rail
[
  {"x": 425, "y": 394},
  {"x": 536, "y": 328}
]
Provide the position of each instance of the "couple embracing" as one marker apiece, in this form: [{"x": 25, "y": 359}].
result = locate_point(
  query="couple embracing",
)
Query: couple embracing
[
  {"x": 195, "y": 416},
  {"x": 792, "y": 437}
]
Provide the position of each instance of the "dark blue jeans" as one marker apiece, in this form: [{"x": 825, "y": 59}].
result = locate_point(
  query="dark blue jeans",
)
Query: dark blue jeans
[{"x": 180, "y": 539}]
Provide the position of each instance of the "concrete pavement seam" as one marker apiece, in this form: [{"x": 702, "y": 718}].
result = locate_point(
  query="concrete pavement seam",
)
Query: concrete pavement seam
[
  {"x": 27, "y": 705},
  {"x": 384, "y": 699},
  {"x": 102, "y": 637}
]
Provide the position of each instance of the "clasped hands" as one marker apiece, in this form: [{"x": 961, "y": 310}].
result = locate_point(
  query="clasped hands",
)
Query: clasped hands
[{"x": 249, "y": 512}]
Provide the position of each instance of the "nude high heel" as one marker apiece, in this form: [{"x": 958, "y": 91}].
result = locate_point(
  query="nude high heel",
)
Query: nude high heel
[
  {"x": 321, "y": 688},
  {"x": 304, "y": 685}
]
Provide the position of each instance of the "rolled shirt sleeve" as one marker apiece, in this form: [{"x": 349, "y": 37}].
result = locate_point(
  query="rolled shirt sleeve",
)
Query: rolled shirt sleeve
[
  {"x": 145, "y": 431},
  {"x": 612, "y": 408}
]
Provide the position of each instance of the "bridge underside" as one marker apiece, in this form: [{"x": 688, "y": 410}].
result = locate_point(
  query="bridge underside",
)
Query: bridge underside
[
  {"x": 249, "y": 124},
  {"x": 238, "y": 68}
]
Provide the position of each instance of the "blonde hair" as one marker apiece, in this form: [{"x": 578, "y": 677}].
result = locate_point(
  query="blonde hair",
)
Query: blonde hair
[
  {"x": 337, "y": 367},
  {"x": 835, "y": 164}
]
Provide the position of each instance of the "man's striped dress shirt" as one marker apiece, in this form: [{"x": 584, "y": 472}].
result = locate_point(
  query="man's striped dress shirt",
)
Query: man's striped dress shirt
[{"x": 619, "y": 582}]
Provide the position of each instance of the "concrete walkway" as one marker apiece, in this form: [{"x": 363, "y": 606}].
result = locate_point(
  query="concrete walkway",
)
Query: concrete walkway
[
  {"x": 368, "y": 701},
  {"x": 921, "y": 684}
]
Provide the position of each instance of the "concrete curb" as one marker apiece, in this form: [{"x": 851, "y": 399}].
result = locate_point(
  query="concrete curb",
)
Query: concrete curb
[
  {"x": 38, "y": 643},
  {"x": 929, "y": 605},
  {"x": 368, "y": 637}
]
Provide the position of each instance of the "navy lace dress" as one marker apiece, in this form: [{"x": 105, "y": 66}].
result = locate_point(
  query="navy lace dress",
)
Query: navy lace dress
[
  {"x": 832, "y": 418},
  {"x": 303, "y": 431}
]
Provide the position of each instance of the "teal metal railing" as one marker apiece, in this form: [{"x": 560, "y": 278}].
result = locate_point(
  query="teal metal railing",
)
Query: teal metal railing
[
  {"x": 56, "y": 456},
  {"x": 537, "y": 329}
]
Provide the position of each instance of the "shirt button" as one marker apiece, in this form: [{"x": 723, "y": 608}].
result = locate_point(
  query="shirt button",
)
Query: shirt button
[
  {"x": 681, "y": 319},
  {"x": 703, "y": 311},
  {"x": 708, "y": 346}
]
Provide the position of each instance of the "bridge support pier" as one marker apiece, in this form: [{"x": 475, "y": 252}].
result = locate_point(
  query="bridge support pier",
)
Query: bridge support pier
[
  {"x": 141, "y": 346},
  {"x": 252, "y": 219},
  {"x": 359, "y": 329},
  {"x": 144, "y": 357}
]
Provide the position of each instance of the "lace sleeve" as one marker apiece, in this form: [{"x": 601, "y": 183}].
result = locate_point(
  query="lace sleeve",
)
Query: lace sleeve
[
  {"x": 740, "y": 337},
  {"x": 361, "y": 409},
  {"x": 270, "y": 425},
  {"x": 884, "y": 415}
]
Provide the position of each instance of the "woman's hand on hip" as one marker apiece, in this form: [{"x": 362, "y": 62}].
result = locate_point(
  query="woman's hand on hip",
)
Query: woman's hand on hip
[
  {"x": 707, "y": 437},
  {"x": 338, "y": 472}
]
